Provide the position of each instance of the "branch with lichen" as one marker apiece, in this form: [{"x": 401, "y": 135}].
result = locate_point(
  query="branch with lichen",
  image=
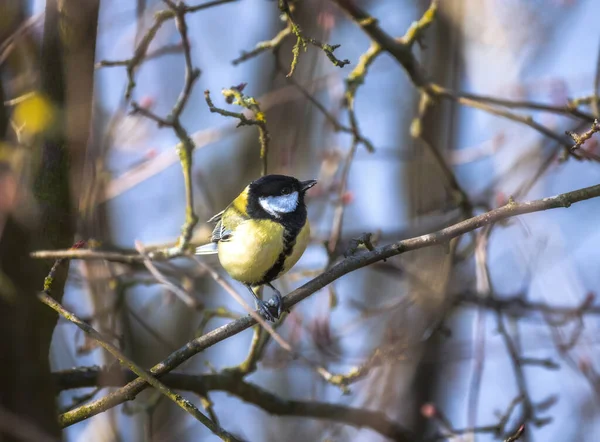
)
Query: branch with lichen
[
  {"x": 499, "y": 430},
  {"x": 302, "y": 41},
  {"x": 140, "y": 53},
  {"x": 47, "y": 299},
  {"x": 186, "y": 145},
  {"x": 258, "y": 343},
  {"x": 185, "y": 148},
  {"x": 417, "y": 28},
  {"x": 248, "y": 392},
  {"x": 264, "y": 46},
  {"x": 235, "y": 95},
  {"x": 354, "y": 80},
  {"x": 337, "y": 126},
  {"x": 345, "y": 266},
  {"x": 401, "y": 50},
  {"x": 582, "y": 138}
]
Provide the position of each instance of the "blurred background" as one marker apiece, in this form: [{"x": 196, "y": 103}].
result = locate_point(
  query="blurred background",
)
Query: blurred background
[{"x": 468, "y": 341}]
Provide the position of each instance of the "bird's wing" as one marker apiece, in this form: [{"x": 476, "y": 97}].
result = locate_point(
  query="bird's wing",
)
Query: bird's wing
[
  {"x": 224, "y": 227},
  {"x": 220, "y": 233},
  {"x": 216, "y": 217}
]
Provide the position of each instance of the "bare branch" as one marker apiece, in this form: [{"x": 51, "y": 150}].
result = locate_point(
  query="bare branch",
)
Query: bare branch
[
  {"x": 45, "y": 297},
  {"x": 302, "y": 41},
  {"x": 263, "y": 46},
  {"x": 344, "y": 267},
  {"x": 580, "y": 139},
  {"x": 235, "y": 95},
  {"x": 401, "y": 50},
  {"x": 250, "y": 393}
]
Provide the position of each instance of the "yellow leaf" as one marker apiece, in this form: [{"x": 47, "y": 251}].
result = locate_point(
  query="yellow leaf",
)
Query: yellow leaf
[{"x": 34, "y": 114}]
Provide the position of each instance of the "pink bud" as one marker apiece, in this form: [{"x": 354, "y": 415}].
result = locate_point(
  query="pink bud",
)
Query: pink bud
[
  {"x": 584, "y": 364},
  {"x": 147, "y": 102},
  {"x": 428, "y": 410},
  {"x": 591, "y": 145},
  {"x": 347, "y": 198},
  {"x": 326, "y": 20},
  {"x": 501, "y": 199}
]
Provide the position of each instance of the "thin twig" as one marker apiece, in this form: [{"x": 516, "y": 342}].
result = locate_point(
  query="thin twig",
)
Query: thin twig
[
  {"x": 89, "y": 254},
  {"x": 355, "y": 79},
  {"x": 515, "y": 358},
  {"x": 324, "y": 373},
  {"x": 263, "y": 46},
  {"x": 401, "y": 50},
  {"x": 186, "y": 146},
  {"x": 184, "y": 296},
  {"x": 235, "y": 95},
  {"x": 568, "y": 109},
  {"x": 248, "y": 392},
  {"x": 45, "y": 297},
  {"x": 20, "y": 99},
  {"x": 582, "y": 138},
  {"x": 415, "y": 32},
  {"x": 518, "y": 307},
  {"x": 596, "y": 87},
  {"x": 8, "y": 45},
  {"x": 337, "y": 126},
  {"x": 302, "y": 41},
  {"x": 140, "y": 54},
  {"x": 497, "y": 429}
]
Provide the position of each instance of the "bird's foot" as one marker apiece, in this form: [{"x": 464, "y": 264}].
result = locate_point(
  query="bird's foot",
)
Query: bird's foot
[
  {"x": 265, "y": 309},
  {"x": 277, "y": 303}
]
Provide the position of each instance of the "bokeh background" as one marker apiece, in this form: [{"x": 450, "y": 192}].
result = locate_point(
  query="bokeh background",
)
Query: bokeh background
[{"x": 434, "y": 313}]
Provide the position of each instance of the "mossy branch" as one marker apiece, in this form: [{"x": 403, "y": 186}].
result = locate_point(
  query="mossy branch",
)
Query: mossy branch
[
  {"x": 186, "y": 146},
  {"x": 235, "y": 95},
  {"x": 417, "y": 28},
  {"x": 249, "y": 393},
  {"x": 140, "y": 53},
  {"x": 345, "y": 266},
  {"x": 582, "y": 138},
  {"x": 45, "y": 297},
  {"x": 302, "y": 41},
  {"x": 264, "y": 46}
]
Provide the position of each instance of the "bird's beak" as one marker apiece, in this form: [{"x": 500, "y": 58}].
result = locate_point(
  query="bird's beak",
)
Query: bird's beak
[{"x": 305, "y": 185}]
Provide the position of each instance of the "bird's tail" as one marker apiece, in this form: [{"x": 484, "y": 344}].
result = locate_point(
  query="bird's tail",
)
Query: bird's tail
[{"x": 207, "y": 249}]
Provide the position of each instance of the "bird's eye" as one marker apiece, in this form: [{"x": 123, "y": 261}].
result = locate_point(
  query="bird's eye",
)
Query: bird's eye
[{"x": 286, "y": 191}]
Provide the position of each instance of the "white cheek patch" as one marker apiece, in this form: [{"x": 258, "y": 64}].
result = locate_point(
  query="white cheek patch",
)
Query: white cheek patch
[{"x": 276, "y": 205}]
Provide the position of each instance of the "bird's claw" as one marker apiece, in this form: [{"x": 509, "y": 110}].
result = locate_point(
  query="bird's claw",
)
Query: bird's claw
[
  {"x": 272, "y": 309},
  {"x": 266, "y": 311},
  {"x": 277, "y": 302}
]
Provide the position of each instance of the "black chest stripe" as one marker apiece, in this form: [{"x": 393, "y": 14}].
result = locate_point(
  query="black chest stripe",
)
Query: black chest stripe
[{"x": 290, "y": 234}]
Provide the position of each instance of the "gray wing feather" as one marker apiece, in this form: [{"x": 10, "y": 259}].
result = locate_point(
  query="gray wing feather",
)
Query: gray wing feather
[
  {"x": 219, "y": 233},
  {"x": 216, "y": 217}
]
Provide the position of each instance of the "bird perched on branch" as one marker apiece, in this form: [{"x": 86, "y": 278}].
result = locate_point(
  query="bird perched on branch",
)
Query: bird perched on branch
[{"x": 262, "y": 234}]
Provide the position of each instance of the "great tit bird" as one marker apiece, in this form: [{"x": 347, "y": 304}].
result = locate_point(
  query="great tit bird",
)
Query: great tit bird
[{"x": 262, "y": 234}]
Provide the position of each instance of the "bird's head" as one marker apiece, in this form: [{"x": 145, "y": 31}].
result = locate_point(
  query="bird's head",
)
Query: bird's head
[{"x": 279, "y": 195}]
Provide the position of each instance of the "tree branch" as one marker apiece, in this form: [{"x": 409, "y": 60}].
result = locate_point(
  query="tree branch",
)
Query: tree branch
[
  {"x": 248, "y": 392},
  {"x": 45, "y": 298},
  {"x": 401, "y": 50},
  {"x": 235, "y": 95},
  {"x": 344, "y": 267},
  {"x": 302, "y": 41}
]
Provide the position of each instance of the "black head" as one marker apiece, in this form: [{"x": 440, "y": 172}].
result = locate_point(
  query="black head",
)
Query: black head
[{"x": 278, "y": 197}]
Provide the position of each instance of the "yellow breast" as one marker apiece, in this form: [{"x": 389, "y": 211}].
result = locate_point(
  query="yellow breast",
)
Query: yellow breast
[{"x": 255, "y": 247}]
